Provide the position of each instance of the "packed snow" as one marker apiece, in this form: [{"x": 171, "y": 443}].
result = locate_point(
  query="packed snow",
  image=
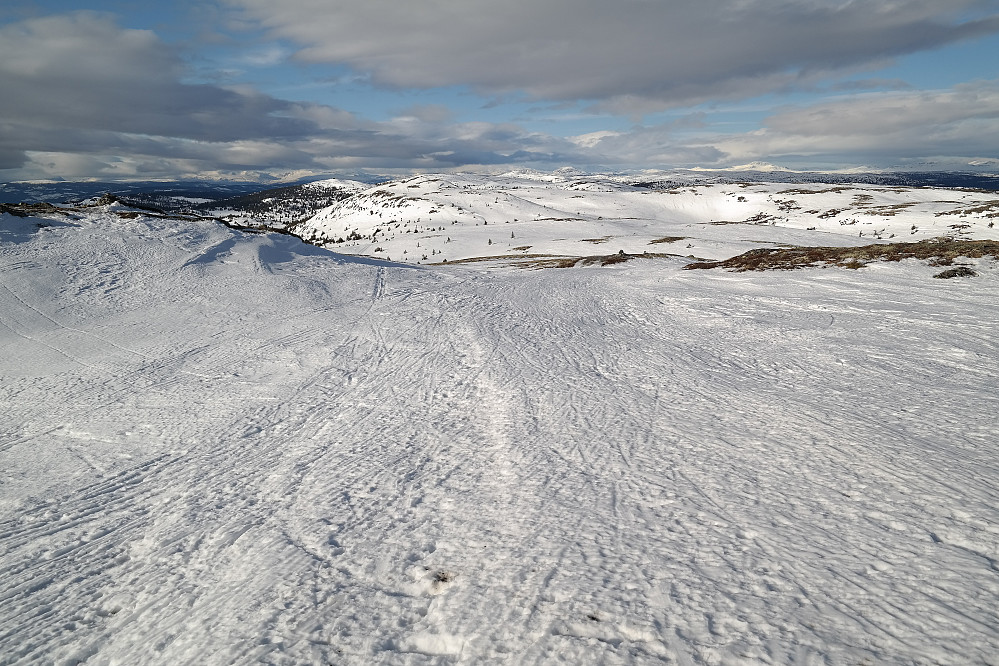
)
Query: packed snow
[{"x": 220, "y": 447}]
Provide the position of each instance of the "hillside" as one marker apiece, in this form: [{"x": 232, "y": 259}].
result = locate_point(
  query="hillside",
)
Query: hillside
[
  {"x": 430, "y": 219},
  {"x": 224, "y": 447}
]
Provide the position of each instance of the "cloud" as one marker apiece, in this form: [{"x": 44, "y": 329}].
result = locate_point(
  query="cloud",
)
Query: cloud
[
  {"x": 86, "y": 98},
  {"x": 881, "y": 129},
  {"x": 654, "y": 146},
  {"x": 267, "y": 55},
  {"x": 886, "y": 114},
  {"x": 80, "y": 87},
  {"x": 901, "y": 125},
  {"x": 870, "y": 84},
  {"x": 83, "y": 97},
  {"x": 82, "y": 71},
  {"x": 630, "y": 56}
]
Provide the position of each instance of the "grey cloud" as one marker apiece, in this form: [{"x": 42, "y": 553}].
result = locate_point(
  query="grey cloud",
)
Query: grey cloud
[
  {"x": 884, "y": 114},
  {"x": 11, "y": 158},
  {"x": 86, "y": 154},
  {"x": 83, "y": 71},
  {"x": 431, "y": 113},
  {"x": 630, "y": 54},
  {"x": 880, "y": 129},
  {"x": 870, "y": 84},
  {"x": 648, "y": 147},
  {"x": 83, "y": 97}
]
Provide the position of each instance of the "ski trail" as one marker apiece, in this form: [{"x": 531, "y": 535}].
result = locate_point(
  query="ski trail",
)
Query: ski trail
[
  {"x": 61, "y": 326},
  {"x": 628, "y": 464}
]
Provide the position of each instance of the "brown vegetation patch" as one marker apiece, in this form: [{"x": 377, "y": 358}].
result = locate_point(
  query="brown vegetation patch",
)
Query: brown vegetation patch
[
  {"x": 786, "y": 205},
  {"x": 888, "y": 210},
  {"x": 539, "y": 261},
  {"x": 958, "y": 271},
  {"x": 761, "y": 218},
  {"x": 32, "y": 209},
  {"x": 987, "y": 209},
  {"x": 938, "y": 251},
  {"x": 536, "y": 264},
  {"x": 596, "y": 260},
  {"x": 494, "y": 257},
  {"x": 385, "y": 194},
  {"x": 837, "y": 189},
  {"x": 667, "y": 239},
  {"x": 596, "y": 241}
]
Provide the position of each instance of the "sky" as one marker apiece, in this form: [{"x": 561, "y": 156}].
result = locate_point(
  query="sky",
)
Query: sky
[{"x": 273, "y": 91}]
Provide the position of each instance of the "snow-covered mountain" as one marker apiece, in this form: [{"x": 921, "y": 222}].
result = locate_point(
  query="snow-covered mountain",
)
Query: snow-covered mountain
[
  {"x": 224, "y": 447},
  {"x": 763, "y": 167},
  {"x": 146, "y": 192},
  {"x": 281, "y": 206},
  {"x": 234, "y": 200},
  {"x": 437, "y": 218}
]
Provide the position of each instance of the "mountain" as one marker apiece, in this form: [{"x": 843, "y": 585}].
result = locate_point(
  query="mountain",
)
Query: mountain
[
  {"x": 528, "y": 214},
  {"x": 761, "y": 167},
  {"x": 437, "y": 218},
  {"x": 144, "y": 191},
  {"x": 947, "y": 179},
  {"x": 280, "y": 206}
]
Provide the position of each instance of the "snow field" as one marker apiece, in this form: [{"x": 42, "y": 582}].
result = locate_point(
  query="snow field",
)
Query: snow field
[
  {"x": 427, "y": 219},
  {"x": 226, "y": 448}
]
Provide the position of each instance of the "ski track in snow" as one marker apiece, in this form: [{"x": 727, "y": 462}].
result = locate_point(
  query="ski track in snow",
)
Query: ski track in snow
[{"x": 221, "y": 448}]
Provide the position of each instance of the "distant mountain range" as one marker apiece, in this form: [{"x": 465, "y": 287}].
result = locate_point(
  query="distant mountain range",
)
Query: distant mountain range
[
  {"x": 767, "y": 174},
  {"x": 250, "y": 197},
  {"x": 169, "y": 194}
]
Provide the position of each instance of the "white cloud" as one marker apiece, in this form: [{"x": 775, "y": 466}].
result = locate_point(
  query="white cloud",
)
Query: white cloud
[
  {"x": 265, "y": 56},
  {"x": 631, "y": 55},
  {"x": 591, "y": 139},
  {"x": 881, "y": 114},
  {"x": 81, "y": 71},
  {"x": 888, "y": 128},
  {"x": 83, "y": 97},
  {"x": 960, "y": 121}
]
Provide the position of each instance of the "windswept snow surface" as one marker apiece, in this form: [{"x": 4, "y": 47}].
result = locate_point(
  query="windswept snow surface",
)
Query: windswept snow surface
[{"x": 225, "y": 448}]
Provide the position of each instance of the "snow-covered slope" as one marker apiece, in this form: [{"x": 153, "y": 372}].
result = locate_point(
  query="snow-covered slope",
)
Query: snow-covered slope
[
  {"x": 429, "y": 219},
  {"x": 281, "y": 206},
  {"x": 228, "y": 448}
]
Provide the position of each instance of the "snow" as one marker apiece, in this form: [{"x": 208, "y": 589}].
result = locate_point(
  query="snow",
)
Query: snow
[
  {"x": 336, "y": 184},
  {"x": 432, "y": 218},
  {"x": 220, "y": 447},
  {"x": 752, "y": 166},
  {"x": 193, "y": 200}
]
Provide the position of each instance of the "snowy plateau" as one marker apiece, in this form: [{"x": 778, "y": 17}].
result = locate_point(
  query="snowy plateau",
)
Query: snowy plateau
[{"x": 502, "y": 420}]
